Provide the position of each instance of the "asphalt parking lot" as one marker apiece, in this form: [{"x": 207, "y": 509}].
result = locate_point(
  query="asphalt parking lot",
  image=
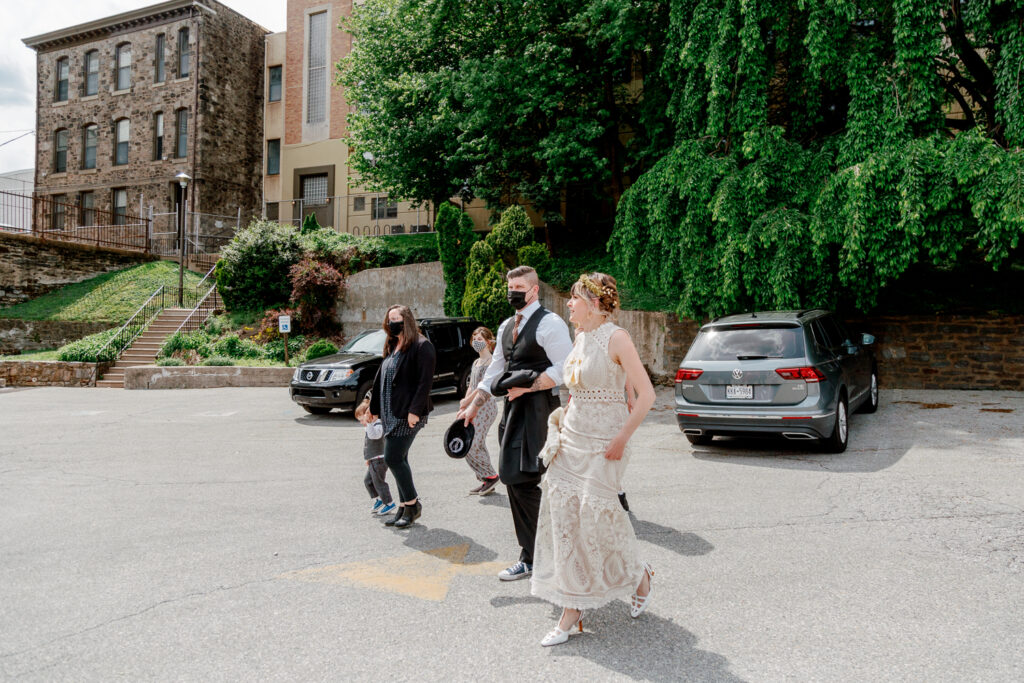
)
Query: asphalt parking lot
[{"x": 223, "y": 534}]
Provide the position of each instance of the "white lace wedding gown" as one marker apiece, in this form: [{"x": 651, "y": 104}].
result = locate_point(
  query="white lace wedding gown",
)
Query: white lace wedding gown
[{"x": 586, "y": 553}]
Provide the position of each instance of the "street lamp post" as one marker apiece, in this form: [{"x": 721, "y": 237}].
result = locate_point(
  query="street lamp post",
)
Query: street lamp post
[
  {"x": 376, "y": 219},
  {"x": 183, "y": 180}
]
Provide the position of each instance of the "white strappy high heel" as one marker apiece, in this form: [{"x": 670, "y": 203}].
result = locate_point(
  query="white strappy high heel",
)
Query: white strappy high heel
[
  {"x": 639, "y": 603},
  {"x": 557, "y": 636}
]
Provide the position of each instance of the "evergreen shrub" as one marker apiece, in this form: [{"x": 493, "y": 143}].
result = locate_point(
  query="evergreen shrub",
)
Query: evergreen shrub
[
  {"x": 455, "y": 239},
  {"x": 87, "y": 349},
  {"x": 320, "y": 348},
  {"x": 253, "y": 268}
]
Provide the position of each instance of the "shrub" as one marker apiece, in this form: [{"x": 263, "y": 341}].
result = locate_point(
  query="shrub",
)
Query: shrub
[
  {"x": 217, "y": 325},
  {"x": 87, "y": 349},
  {"x": 328, "y": 245},
  {"x": 218, "y": 360},
  {"x": 234, "y": 347},
  {"x": 513, "y": 232},
  {"x": 198, "y": 341},
  {"x": 267, "y": 328},
  {"x": 486, "y": 300},
  {"x": 274, "y": 350},
  {"x": 165, "y": 362},
  {"x": 310, "y": 224},
  {"x": 535, "y": 255},
  {"x": 253, "y": 269},
  {"x": 455, "y": 239},
  {"x": 320, "y": 348},
  {"x": 316, "y": 287}
]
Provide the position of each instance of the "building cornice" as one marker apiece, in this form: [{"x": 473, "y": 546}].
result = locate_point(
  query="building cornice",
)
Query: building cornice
[{"x": 122, "y": 23}]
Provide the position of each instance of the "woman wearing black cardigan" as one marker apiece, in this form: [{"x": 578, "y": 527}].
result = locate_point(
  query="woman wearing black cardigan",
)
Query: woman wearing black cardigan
[{"x": 401, "y": 398}]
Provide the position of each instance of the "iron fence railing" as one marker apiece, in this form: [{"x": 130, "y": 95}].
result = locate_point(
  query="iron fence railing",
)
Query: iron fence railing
[
  {"x": 135, "y": 326},
  {"x": 64, "y": 221},
  {"x": 358, "y": 214},
  {"x": 203, "y": 309}
]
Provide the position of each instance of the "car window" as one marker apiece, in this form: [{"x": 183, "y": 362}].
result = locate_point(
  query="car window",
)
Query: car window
[
  {"x": 444, "y": 337},
  {"x": 747, "y": 342},
  {"x": 367, "y": 342},
  {"x": 833, "y": 334}
]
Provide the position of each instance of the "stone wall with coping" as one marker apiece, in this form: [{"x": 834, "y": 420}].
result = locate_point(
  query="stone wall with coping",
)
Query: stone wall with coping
[
  {"x": 48, "y": 373},
  {"x": 34, "y": 335},
  {"x": 204, "y": 377},
  {"x": 31, "y": 267}
]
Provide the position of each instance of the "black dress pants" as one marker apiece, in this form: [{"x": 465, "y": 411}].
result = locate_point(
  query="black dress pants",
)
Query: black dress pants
[{"x": 524, "y": 499}]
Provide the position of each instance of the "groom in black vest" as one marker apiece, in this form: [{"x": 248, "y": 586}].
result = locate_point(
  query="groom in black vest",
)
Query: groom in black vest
[{"x": 533, "y": 339}]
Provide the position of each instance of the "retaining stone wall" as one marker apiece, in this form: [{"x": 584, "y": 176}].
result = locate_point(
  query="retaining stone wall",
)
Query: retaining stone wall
[
  {"x": 31, "y": 267},
  {"x": 204, "y": 377},
  {"x": 48, "y": 373},
  {"x": 33, "y": 335}
]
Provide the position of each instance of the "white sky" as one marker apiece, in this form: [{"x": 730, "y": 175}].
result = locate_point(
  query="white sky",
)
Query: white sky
[{"x": 18, "y": 65}]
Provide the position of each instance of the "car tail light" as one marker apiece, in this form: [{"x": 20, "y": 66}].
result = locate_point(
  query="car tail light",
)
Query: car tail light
[
  {"x": 683, "y": 374},
  {"x": 808, "y": 374}
]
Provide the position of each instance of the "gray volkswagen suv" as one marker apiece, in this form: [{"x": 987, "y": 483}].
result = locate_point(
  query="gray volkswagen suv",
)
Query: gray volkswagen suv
[{"x": 797, "y": 374}]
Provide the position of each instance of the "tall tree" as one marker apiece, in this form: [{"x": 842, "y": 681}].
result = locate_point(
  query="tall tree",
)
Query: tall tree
[{"x": 505, "y": 100}]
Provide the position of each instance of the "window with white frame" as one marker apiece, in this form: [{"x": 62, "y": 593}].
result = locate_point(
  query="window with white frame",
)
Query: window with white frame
[
  {"x": 184, "y": 54},
  {"x": 158, "y": 136},
  {"x": 123, "y": 61},
  {"x": 181, "y": 133},
  {"x": 60, "y": 150},
  {"x": 122, "y": 133},
  {"x": 90, "y": 135},
  {"x": 120, "y": 204},
  {"x": 60, "y": 89},
  {"x": 58, "y": 213},
  {"x": 87, "y": 207},
  {"x": 159, "y": 71},
  {"x": 91, "y": 73}
]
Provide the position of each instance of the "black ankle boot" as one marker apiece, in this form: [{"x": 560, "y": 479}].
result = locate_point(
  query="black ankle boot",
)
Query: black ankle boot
[
  {"x": 412, "y": 514},
  {"x": 399, "y": 513}
]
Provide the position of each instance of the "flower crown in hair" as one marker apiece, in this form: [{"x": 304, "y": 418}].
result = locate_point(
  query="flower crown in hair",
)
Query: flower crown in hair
[{"x": 595, "y": 289}]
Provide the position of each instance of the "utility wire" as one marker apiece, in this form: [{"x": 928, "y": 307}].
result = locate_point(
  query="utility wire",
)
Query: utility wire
[{"x": 16, "y": 138}]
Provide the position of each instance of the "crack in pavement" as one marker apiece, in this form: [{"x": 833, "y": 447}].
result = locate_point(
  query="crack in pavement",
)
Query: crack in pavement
[{"x": 168, "y": 601}]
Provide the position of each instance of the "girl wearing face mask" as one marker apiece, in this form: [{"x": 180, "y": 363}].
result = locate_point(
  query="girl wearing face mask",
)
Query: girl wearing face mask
[
  {"x": 478, "y": 457},
  {"x": 401, "y": 398}
]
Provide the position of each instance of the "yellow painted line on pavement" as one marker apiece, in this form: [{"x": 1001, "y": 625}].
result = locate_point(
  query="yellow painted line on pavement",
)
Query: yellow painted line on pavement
[{"x": 426, "y": 575}]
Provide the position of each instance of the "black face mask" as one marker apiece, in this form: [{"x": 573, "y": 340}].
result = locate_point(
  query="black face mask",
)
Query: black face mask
[
  {"x": 517, "y": 299},
  {"x": 395, "y": 328}
]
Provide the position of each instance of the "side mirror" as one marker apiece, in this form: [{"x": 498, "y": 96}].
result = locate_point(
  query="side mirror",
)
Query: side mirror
[{"x": 867, "y": 339}]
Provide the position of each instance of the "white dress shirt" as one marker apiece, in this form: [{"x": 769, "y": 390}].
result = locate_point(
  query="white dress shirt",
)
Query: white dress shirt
[{"x": 553, "y": 337}]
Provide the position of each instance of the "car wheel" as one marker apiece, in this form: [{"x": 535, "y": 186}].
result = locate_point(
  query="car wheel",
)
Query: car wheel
[
  {"x": 871, "y": 405},
  {"x": 361, "y": 393},
  {"x": 840, "y": 437},
  {"x": 700, "y": 439},
  {"x": 462, "y": 388},
  {"x": 316, "y": 410}
]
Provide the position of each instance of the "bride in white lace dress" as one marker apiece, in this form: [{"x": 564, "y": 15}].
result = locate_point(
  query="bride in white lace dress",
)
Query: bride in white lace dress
[{"x": 586, "y": 553}]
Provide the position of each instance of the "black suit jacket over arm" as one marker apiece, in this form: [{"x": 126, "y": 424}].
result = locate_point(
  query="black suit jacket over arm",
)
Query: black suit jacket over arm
[{"x": 410, "y": 391}]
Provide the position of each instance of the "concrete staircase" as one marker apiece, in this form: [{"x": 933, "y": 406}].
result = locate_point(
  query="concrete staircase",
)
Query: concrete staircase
[{"x": 143, "y": 351}]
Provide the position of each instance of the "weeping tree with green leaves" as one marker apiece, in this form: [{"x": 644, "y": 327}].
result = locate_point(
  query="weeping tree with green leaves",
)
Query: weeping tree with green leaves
[{"x": 823, "y": 148}]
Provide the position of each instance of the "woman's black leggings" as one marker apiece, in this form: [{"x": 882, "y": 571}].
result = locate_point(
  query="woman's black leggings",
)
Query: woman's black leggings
[{"x": 396, "y": 455}]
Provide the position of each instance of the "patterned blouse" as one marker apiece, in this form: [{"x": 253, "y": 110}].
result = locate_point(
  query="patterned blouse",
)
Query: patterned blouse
[{"x": 394, "y": 426}]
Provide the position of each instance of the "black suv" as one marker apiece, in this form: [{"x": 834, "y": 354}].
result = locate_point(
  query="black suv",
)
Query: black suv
[{"x": 342, "y": 380}]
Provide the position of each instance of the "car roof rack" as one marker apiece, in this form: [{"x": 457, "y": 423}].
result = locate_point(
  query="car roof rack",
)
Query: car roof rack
[{"x": 431, "y": 321}]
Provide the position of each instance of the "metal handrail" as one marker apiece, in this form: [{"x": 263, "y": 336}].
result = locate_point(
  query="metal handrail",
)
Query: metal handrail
[
  {"x": 188, "y": 319},
  {"x": 132, "y": 329}
]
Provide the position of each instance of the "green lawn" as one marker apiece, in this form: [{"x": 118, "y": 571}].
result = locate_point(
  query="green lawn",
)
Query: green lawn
[
  {"x": 33, "y": 355},
  {"x": 112, "y": 296}
]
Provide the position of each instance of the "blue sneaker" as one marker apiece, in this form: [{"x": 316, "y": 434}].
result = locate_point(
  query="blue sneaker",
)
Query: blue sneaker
[
  {"x": 377, "y": 504},
  {"x": 386, "y": 509},
  {"x": 520, "y": 570}
]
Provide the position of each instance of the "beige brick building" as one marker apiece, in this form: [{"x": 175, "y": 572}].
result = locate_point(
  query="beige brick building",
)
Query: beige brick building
[
  {"x": 126, "y": 102},
  {"x": 306, "y": 156}
]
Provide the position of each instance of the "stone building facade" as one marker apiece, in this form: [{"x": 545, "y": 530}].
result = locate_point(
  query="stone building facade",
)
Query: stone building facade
[{"x": 127, "y": 102}]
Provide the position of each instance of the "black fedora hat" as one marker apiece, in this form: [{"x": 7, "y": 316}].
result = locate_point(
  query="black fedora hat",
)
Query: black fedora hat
[{"x": 458, "y": 439}]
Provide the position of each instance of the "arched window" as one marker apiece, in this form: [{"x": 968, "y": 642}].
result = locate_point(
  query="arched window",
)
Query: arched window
[
  {"x": 123, "y": 65},
  {"x": 184, "y": 54},
  {"x": 90, "y": 136},
  {"x": 181, "y": 133},
  {"x": 91, "y": 73},
  {"x": 60, "y": 150},
  {"x": 122, "y": 131},
  {"x": 60, "y": 90}
]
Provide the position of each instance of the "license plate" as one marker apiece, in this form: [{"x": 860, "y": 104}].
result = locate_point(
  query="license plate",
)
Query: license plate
[{"x": 739, "y": 391}]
